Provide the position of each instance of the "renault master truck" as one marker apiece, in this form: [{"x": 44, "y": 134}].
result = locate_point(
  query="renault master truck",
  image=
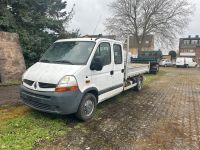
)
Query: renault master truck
[{"x": 74, "y": 75}]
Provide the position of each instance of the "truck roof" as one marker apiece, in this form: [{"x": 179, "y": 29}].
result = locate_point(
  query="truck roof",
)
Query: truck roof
[{"x": 87, "y": 40}]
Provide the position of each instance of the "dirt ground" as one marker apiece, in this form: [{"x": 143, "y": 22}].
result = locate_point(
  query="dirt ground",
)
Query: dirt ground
[
  {"x": 164, "y": 115},
  {"x": 9, "y": 94}
]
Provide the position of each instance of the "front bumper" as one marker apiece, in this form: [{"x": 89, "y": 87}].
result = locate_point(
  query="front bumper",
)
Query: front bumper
[{"x": 52, "y": 102}]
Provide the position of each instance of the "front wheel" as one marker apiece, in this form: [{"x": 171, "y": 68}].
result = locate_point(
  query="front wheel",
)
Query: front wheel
[{"x": 87, "y": 107}]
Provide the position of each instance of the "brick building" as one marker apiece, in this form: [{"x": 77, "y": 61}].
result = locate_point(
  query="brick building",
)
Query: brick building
[
  {"x": 190, "y": 47},
  {"x": 198, "y": 54}
]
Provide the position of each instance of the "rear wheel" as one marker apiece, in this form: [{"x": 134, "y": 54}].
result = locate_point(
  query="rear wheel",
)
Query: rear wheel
[
  {"x": 87, "y": 107},
  {"x": 139, "y": 85}
]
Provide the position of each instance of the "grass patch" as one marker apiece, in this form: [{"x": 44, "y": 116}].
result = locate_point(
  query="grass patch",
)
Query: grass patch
[
  {"x": 23, "y": 132},
  {"x": 10, "y": 83},
  {"x": 81, "y": 127},
  {"x": 148, "y": 78},
  {"x": 10, "y": 112}
]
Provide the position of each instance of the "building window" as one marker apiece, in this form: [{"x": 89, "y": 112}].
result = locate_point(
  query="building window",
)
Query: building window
[
  {"x": 191, "y": 51},
  {"x": 186, "y": 42},
  {"x": 194, "y": 42},
  {"x": 117, "y": 54},
  {"x": 187, "y": 51}
]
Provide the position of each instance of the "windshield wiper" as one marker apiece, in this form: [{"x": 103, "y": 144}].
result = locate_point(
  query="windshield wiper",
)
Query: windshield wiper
[
  {"x": 63, "y": 61},
  {"x": 45, "y": 60}
]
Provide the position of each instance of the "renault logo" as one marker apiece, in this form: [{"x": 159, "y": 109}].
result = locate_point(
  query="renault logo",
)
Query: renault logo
[{"x": 35, "y": 85}]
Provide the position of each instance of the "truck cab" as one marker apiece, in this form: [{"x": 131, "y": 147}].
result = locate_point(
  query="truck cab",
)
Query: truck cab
[{"x": 74, "y": 75}]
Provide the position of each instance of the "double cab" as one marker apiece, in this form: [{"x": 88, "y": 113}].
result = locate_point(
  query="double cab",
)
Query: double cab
[{"x": 74, "y": 75}]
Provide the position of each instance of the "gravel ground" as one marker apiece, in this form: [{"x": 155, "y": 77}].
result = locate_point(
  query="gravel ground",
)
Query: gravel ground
[{"x": 164, "y": 115}]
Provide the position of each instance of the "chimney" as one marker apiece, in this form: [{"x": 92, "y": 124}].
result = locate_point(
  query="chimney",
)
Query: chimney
[
  {"x": 189, "y": 36},
  {"x": 197, "y": 36}
]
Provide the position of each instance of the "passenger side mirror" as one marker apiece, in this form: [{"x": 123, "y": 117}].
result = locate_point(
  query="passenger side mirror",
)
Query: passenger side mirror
[{"x": 97, "y": 64}]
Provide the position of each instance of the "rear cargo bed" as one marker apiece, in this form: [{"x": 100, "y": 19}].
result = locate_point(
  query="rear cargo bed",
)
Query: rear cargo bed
[{"x": 136, "y": 69}]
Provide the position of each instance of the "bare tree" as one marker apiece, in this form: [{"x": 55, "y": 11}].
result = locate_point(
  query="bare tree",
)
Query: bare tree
[{"x": 163, "y": 18}]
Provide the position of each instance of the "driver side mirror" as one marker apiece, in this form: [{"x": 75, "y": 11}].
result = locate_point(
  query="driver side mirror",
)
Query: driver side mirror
[{"x": 97, "y": 64}]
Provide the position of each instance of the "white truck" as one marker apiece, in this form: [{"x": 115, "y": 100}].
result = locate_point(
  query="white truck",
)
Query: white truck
[
  {"x": 185, "y": 62},
  {"x": 74, "y": 75}
]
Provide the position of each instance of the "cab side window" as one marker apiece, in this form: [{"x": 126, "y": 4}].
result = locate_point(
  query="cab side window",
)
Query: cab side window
[
  {"x": 117, "y": 53},
  {"x": 104, "y": 51}
]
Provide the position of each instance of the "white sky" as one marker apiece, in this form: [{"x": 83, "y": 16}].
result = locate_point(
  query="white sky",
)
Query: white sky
[{"x": 91, "y": 14}]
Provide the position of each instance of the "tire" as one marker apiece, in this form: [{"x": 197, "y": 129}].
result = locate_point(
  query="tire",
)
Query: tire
[
  {"x": 158, "y": 69},
  {"x": 139, "y": 84},
  {"x": 87, "y": 107}
]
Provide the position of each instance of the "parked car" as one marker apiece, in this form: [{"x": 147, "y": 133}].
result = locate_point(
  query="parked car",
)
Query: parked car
[
  {"x": 74, "y": 75},
  {"x": 166, "y": 63},
  {"x": 185, "y": 62}
]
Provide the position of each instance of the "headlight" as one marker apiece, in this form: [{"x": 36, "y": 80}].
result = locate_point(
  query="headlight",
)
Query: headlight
[{"x": 67, "y": 83}]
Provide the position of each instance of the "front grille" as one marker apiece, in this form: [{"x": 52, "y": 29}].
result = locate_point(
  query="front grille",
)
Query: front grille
[
  {"x": 46, "y": 85},
  {"x": 33, "y": 102},
  {"x": 29, "y": 82},
  {"x": 36, "y": 100}
]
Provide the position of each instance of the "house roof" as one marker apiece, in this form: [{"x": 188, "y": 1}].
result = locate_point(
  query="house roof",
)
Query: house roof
[{"x": 113, "y": 37}]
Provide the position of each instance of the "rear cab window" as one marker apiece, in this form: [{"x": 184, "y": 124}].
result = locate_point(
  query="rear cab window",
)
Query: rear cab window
[{"x": 117, "y": 53}]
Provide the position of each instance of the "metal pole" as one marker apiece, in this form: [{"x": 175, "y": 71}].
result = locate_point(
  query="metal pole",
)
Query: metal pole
[{"x": 126, "y": 62}]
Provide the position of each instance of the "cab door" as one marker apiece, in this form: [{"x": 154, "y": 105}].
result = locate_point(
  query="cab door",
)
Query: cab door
[
  {"x": 118, "y": 76},
  {"x": 103, "y": 80}
]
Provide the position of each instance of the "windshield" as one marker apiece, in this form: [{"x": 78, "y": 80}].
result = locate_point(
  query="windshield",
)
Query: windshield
[{"x": 74, "y": 53}]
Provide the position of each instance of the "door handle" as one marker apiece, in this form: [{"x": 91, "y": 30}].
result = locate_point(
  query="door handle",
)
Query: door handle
[
  {"x": 111, "y": 72},
  {"x": 122, "y": 70}
]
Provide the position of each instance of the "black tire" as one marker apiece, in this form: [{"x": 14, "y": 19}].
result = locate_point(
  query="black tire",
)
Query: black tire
[
  {"x": 87, "y": 107},
  {"x": 139, "y": 85},
  {"x": 154, "y": 72},
  {"x": 158, "y": 69}
]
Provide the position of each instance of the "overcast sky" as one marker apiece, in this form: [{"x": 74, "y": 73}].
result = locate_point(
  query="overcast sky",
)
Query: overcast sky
[{"x": 90, "y": 16}]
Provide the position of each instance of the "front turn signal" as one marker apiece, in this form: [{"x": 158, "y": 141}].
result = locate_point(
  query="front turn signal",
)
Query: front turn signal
[{"x": 65, "y": 89}]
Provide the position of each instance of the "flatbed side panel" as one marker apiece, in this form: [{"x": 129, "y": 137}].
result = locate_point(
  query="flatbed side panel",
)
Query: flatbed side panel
[{"x": 136, "y": 69}]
